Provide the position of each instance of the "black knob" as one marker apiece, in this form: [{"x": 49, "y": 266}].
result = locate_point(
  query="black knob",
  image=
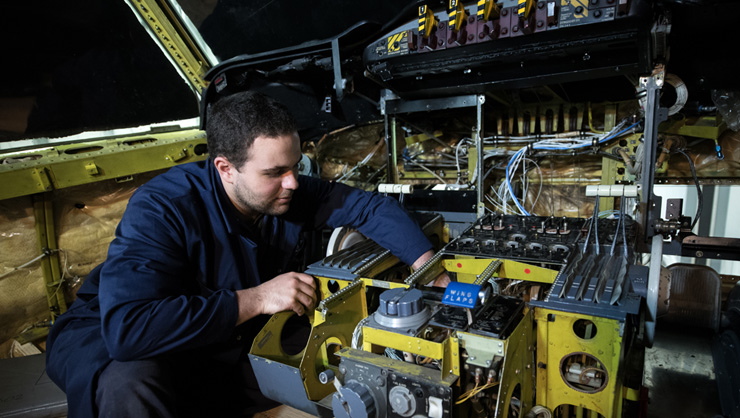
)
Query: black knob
[{"x": 353, "y": 400}]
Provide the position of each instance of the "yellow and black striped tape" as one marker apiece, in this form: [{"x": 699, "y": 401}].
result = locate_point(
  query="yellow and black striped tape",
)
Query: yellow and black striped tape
[
  {"x": 427, "y": 21},
  {"x": 524, "y": 8},
  {"x": 584, "y": 12},
  {"x": 487, "y": 10},
  {"x": 456, "y": 12},
  {"x": 422, "y": 20}
]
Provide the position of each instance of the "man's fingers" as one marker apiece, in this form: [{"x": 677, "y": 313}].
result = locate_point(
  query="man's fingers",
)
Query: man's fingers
[
  {"x": 306, "y": 278},
  {"x": 442, "y": 280},
  {"x": 306, "y": 287},
  {"x": 290, "y": 292},
  {"x": 299, "y": 309},
  {"x": 307, "y": 298},
  {"x": 302, "y": 303},
  {"x": 300, "y": 293}
]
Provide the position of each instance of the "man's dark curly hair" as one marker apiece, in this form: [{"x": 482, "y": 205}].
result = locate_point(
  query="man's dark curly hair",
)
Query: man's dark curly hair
[{"x": 236, "y": 120}]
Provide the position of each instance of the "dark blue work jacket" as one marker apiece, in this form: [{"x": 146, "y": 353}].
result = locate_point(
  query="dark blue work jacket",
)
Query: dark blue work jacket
[{"x": 179, "y": 254}]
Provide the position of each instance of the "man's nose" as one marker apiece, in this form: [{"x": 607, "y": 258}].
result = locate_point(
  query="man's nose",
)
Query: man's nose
[{"x": 290, "y": 180}]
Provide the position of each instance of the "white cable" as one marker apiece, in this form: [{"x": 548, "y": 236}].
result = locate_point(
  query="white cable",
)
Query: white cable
[
  {"x": 554, "y": 144},
  {"x": 26, "y": 264},
  {"x": 457, "y": 154},
  {"x": 357, "y": 333},
  {"x": 361, "y": 163},
  {"x": 539, "y": 191}
]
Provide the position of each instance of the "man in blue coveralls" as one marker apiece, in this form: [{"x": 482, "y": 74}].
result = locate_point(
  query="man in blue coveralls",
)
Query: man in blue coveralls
[{"x": 202, "y": 256}]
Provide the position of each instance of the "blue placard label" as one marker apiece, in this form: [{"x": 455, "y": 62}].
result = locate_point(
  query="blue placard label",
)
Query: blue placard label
[{"x": 463, "y": 295}]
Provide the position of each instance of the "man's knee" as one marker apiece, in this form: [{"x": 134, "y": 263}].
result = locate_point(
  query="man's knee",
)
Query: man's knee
[{"x": 136, "y": 388}]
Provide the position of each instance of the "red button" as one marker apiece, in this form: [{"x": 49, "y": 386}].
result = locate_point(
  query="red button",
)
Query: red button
[
  {"x": 459, "y": 265},
  {"x": 527, "y": 271}
]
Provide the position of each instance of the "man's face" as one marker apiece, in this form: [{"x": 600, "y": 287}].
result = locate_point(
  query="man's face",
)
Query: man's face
[{"x": 265, "y": 183}]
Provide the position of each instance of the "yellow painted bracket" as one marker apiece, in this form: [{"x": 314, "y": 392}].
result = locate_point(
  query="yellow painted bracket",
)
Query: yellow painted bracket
[
  {"x": 631, "y": 394},
  {"x": 447, "y": 351},
  {"x": 91, "y": 168},
  {"x": 509, "y": 269},
  {"x": 709, "y": 127},
  {"x": 40, "y": 176},
  {"x": 176, "y": 154},
  {"x": 414, "y": 139}
]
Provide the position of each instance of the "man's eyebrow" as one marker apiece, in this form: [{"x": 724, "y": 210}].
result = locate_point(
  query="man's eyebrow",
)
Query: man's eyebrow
[
  {"x": 280, "y": 167},
  {"x": 274, "y": 169}
]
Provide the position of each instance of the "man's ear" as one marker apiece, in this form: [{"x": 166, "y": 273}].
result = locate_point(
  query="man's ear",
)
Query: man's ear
[{"x": 225, "y": 169}]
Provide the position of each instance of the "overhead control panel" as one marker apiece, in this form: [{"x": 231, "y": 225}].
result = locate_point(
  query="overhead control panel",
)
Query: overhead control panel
[{"x": 466, "y": 48}]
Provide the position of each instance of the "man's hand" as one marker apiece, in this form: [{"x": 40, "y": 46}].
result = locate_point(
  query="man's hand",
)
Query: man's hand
[
  {"x": 422, "y": 259},
  {"x": 287, "y": 292},
  {"x": 442, "y": 280}
]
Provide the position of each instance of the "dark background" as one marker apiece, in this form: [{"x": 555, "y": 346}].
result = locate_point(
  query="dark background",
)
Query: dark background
[{"x": 68, "y": 67}]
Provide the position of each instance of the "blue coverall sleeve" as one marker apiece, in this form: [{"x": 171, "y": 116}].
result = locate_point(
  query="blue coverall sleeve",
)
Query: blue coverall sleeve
[
  {"x": 378, "y": 217},
  {"x": 146, "y": 305}
]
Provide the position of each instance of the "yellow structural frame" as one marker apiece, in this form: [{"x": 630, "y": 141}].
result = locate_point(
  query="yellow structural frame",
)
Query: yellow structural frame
[
  {"x": 333, "y": 325},
  {"x": 709, "y": 127},
  {"x": 447, "y": 351},
  {"x": 609, "y": 167},
  {"x": 174, "y": 39},
  {"x": 517, "y": 352},
  {"x": 518, "y": 368},
  {"x": 43, "y": 212},
  {"x": 46, "y": 169},
  {"x": 468, "y": 268},
  {"x": 556, "y": 340}
]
